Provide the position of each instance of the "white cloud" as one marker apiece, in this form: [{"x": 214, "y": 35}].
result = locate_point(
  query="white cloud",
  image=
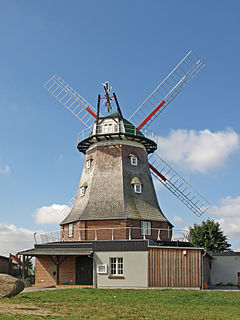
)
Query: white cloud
[
  {"x": 228, "y": 215},
  {"x": 53, "y": 214},
  {"x": 178, "y": 220},
  {"x": 5, "y": 170},
  {"x": 13, "y": 239},
  {"x": 199, "y": 150}
]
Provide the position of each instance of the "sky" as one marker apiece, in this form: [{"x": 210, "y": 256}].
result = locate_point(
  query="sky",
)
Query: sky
[{"x": 134, "y": 45}]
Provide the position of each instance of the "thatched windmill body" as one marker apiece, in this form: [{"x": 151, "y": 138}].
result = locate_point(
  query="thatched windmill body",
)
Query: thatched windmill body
[{"x": 116, "y": 198}]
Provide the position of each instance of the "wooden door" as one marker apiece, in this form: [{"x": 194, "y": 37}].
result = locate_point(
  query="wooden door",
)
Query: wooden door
[{"x": 84, "y": 270}]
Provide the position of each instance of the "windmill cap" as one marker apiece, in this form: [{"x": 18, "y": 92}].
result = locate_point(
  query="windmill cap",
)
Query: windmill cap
[{"x": 120, "y": 130}]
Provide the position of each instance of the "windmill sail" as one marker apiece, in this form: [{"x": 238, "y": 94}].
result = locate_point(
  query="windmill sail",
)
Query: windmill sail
[
  {"x": 177, "y": 185},
  {"x": 167, "y": 90},
  {"x": 71, "y": 100}
]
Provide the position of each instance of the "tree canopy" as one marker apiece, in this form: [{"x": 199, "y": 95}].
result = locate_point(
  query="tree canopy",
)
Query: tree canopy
[{"x": 209, "y": 236}]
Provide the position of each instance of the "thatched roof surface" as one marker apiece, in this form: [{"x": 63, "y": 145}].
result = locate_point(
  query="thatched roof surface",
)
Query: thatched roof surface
[
  {"x": 110, "y": 194},
  {"x": 136, "y": 180}
]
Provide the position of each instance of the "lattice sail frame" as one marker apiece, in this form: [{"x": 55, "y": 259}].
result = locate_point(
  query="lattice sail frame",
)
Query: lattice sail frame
[
  {"x": 167, "y": 90},
  {"x": 72, "y": 100},
  {"x": 65, "y": 211},
  {"x": 177, "y": 185}
]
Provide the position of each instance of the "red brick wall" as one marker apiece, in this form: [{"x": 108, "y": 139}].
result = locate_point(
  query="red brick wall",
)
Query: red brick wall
[
  {"x": 68, "y": 270},
  {"x": 105, "y": 232},
  {"x": 76, "y": 226},
  {"x": 45, "y": 267},
  {"x": 136, "y": 230}
]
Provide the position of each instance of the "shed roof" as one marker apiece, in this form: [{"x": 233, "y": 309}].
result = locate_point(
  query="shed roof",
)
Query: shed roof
[
  {"x": 51, "y": 251},
  {"x": 227, "y": 253}
]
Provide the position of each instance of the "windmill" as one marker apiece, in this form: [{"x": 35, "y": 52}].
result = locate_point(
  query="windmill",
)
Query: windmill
[{"x": 113, "y": 130}]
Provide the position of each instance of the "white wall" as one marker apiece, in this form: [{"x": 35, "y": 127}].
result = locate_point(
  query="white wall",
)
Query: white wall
[
  {"x": 135, "y": 270},
  {"x": 224, "y": 269}
]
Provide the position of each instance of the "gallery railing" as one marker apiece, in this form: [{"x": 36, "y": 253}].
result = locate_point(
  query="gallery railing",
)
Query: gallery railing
[
  {"x": 117, "y": 233},
  {"x": 115, "y": 129}
]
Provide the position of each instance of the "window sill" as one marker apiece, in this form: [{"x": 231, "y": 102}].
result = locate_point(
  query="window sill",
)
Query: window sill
[{"x": 116, "y": 277}]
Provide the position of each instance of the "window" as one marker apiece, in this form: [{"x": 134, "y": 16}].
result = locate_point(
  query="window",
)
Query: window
[
  {"x": 70, "y": 230},
  {"x": 169, "y": 232},
  {"x": 116, "y": 266},
  {"x": 82, "y": 191},
  {"x": 105, "y": 128},
  {"x": 99, "y": 129},
  {"x": 88, "y": 163},
  {"x": 110, "y": 128},
  {"x": 116, "y": 128},
  {"x": 138, "y": 188},
  {"x": 133, "y": 161},
  {"x": 102, "y": 268},
  {"x": 146, "y": 227},
  {"x": 137, "y": 184}
]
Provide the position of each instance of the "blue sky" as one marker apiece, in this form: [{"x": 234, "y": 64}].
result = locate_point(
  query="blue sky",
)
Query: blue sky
[{"x": 134, "y": 45}]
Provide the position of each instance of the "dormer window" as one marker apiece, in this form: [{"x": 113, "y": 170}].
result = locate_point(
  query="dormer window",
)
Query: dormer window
[
  {"x": 83, "y": 189},
  {"x": 134, "y": 160},
  {"x": 137, "y": 185},
  {"x": 88, "y": 163},
  {"x": 138, "y": 188}
]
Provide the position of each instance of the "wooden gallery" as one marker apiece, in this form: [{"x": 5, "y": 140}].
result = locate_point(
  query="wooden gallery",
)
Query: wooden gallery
[{"x": 116, "y": 235}]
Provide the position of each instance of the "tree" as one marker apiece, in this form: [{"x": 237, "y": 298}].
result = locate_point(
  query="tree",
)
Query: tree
[{"x": 209, "y": 236}]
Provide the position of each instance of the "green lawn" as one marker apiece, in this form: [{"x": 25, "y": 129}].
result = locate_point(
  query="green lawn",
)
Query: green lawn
[{"x": 122, "y": 304}]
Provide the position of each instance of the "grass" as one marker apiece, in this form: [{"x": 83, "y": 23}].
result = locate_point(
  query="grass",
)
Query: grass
[{"x": 122, "y": 304}]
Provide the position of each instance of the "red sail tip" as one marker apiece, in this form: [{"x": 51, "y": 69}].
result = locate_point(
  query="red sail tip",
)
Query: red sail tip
[
  {"x": 157, "y": 172},
  {"x": 91, "y": 112},
  {"x": 151, "y": 114}
]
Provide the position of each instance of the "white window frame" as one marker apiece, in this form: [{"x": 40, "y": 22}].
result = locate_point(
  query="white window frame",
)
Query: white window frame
[
  {"x": 82, "y": 191},
  {"x": 115, "y": 126},
  {"x": 70, "y": 230},
  {"x": 146, "y": 228},
  {"x": 105, "y": 128},
  {"x": 99, "y": 129},
  {"x": 102, "y": 268},
  {"x": 88, "y": 163},
  {"x": 134, "y": 161},
  {"x": 116, "y": 266},
  {"x": 169, "y": 232},
  {"x": 138, "y": 188},
  {"x": 110, "y": 128}
]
